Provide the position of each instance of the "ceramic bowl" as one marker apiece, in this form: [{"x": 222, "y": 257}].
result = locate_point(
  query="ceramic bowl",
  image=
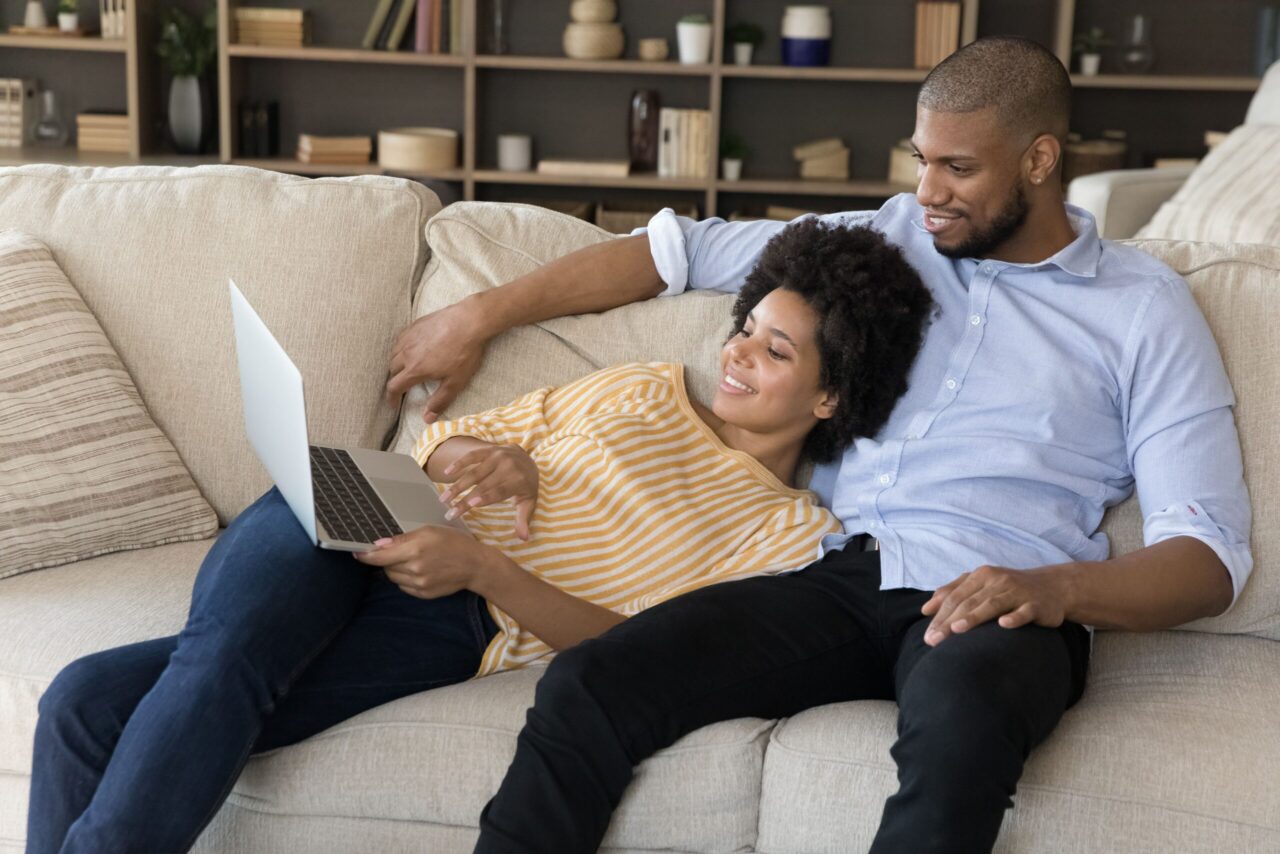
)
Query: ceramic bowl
[
  {"x": 593, "y": 41},
  {"x": 593, "y": 11},
  {"x": 654, "y": 50}
]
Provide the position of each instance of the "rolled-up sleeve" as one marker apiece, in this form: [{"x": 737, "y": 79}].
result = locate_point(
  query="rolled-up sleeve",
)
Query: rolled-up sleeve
[
  {"x": 1181, "y": 433},
  {"x": 713, "y": 254}
]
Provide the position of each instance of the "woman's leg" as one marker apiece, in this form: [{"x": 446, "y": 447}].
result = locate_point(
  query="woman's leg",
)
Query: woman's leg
[{"x": 265, "y": 602}]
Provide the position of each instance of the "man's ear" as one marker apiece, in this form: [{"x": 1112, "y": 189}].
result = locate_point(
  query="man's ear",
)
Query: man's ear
[
  {"x": 827, "y": 408},
  {"x": 1042, "y": 158}
]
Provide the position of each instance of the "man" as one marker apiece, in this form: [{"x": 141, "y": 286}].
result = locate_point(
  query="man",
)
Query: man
[{"x": 1060, "y": 370}]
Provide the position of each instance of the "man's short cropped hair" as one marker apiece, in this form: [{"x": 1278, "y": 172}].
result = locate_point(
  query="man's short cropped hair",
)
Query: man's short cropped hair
[
  {"x": 1023, "y": 80},
  {"x": 871, "y": 306}
]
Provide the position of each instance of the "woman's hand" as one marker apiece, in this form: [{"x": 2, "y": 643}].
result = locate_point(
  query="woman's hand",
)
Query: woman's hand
[
  {"x": 432, "y": 561},
  {"x": 492, "y": 474}
]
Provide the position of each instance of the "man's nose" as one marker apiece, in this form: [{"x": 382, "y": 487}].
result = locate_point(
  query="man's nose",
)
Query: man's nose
[{"x": 932, "y": 191}]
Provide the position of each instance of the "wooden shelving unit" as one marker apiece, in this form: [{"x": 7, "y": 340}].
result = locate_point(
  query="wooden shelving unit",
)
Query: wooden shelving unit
[
  {"x": 138, "y": 52},
  {"x": 475, "y": 78}
]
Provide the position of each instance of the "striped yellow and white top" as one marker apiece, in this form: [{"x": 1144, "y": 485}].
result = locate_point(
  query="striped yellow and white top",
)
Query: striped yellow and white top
[{"x": 638, "y": 500}]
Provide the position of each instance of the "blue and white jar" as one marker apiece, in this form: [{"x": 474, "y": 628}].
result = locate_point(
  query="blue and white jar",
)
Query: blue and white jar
[{"x": 806, "y": 36}]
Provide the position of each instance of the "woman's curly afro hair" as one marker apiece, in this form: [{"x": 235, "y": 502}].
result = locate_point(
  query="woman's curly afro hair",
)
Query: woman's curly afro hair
[{"x": 871, "y": 307}]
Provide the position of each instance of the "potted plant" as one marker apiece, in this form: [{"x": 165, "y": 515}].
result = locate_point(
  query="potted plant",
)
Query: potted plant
[
  {"x": 693, "y": 34},
  {"x": 745, "y": 38},
  {"x": 68, "y": 15},
  {"x": 1089, "y": 45},
  {"x": 188, "y": 45},
  {"x": 732, "y": 152}
]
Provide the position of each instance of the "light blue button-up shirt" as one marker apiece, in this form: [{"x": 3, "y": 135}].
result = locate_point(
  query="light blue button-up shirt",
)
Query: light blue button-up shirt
[{"x": 1041, "y": 394}]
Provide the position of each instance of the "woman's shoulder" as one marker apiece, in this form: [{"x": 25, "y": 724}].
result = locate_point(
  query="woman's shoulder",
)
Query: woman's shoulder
[{"x": 636, "y": 379}]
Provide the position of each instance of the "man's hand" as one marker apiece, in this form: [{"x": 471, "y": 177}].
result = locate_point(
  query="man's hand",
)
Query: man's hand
[
  {"x": 446, "y": 345},
  {"x": 1014, "y": 597},
  {"x": 432, "y": 561},
  {"x": 493, "y": 474}
]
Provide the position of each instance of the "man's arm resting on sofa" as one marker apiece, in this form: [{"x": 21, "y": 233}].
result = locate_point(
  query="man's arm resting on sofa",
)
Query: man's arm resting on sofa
[
  {"x": 1167, "y": 584},
  {"x": 448, "y": 345}
]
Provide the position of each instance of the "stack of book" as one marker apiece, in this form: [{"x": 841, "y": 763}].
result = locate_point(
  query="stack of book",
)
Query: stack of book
[
  {"x": 937, "y": 31},
  {"x": 684, "y": 141},
  {"x": 437, "y": 25},
  {"x": 587, "y": 167},
  {"x": 102, "y": 131},
  {"x": 334, "y": 149},
  {"x": 273, "y": 27},
  {"x": 827, "y": 159},
  {"x": 17, "y": 110}
]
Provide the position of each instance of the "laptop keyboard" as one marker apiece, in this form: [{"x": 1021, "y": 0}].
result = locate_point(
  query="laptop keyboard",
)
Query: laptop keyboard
[{"x": 346, "y": 504}]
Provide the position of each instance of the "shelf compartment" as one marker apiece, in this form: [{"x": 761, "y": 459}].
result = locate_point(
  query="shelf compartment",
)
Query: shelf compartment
[
  {"x": 644, "y": 181},
  {"x": 296, "y": 167},
  {"x": 615, "y": 66},
  {"x": 86, "y": 43},
  {"x": 336, "y": 54}
]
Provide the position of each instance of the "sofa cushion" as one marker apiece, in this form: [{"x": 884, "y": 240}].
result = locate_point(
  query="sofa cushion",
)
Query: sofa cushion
[
  {"x": 424, "y": 765},
  {"x": 1238, "y": 289},
  {"x": 481, "y": 245},
  {"x": 330, "y": 264},
  {"x": 84, "y": 471},
  {"x": 1232, "y": 196},
  {"x": 1172, "y": 748}
]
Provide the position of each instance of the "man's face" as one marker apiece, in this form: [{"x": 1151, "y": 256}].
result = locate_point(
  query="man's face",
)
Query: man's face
[{"x": 971, "y": 182}]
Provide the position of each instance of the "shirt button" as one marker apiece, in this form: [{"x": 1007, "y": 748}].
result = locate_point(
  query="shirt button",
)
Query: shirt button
[
  {"x": 951, "y": 384},
  {"x": 975, "y": 319},
  {"x": 911, "y": 437},
  {"x": 885, "y": 479}
]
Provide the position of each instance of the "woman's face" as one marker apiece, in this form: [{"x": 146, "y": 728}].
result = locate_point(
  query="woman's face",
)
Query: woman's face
[{"x": 769, "y": 379}]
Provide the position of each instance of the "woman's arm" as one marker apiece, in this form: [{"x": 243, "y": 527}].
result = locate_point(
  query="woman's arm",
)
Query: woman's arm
[{"x": 448, "y": 452}]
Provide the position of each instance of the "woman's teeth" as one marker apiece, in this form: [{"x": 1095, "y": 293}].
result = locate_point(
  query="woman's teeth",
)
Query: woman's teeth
[{"x": 731, "y": 381}]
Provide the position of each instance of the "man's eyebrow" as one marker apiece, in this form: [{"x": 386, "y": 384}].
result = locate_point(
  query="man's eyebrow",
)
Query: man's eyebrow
[{"x": 951, "y": 158}]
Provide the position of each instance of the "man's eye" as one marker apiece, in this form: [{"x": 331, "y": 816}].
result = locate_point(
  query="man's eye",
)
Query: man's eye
[{"x": 959, "y": 170}]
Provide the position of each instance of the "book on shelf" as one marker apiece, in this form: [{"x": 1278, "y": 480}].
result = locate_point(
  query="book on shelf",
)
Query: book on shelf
[
  {"x": 831, "y": 166},
  {"x": 817, "y": 148},
  {"x": 937, "y": 31},
  {"x": 259, "y": 129},
  {"x": 422, "y": 27},
  {"x": 104, "y": 131},
  {"x": 313, "y": 148},
  {"x": 384, "y": 35},
  {"x": 585, "y": 167},
  {"x": 18, "y": 111},
  {"x": 273, "y": 15},
  {"x": 455, "y": 27},
  {"x": 684, "y": 137},
  {"x": 437, "y": 25},
  {"x": 401, "y": 25},
  {"x": 380, "y": 13}
]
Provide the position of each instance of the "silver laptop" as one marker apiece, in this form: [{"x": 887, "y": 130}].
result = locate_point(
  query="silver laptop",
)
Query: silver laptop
[{"x": 344, "y": 498}]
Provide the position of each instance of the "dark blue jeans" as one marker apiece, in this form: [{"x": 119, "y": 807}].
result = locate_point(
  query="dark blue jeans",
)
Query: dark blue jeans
[{"x": 137, "y": 747}]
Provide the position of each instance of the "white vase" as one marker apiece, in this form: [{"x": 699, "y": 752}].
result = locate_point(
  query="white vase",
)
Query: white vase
[
  {"x": 1089, "y": 64},
  {"x": 731, "y": 168},
  {"x": 68, "y": 22},
  {"x": 35, "y": 17},
  {"x": 189, "y": 114},
  {"x": 694, "y": 41},
  {"x": 742, "y": 52}
]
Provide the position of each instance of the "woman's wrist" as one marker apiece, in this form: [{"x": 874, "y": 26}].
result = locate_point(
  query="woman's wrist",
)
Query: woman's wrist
[{"x": 490, "y": 573}]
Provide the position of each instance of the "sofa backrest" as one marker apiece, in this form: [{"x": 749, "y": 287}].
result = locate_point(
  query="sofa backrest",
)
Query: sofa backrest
[
  {"x": 477, "y": 246},
  {"x": 1264, "y": 109},
  {"x": 330, "y": 264}
]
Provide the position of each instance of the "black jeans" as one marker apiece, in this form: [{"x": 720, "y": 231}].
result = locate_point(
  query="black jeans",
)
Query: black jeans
[{"x": 970, "y": 709}]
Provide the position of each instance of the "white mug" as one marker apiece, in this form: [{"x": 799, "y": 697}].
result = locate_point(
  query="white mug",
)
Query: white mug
[{"x": 515, "y": 152}]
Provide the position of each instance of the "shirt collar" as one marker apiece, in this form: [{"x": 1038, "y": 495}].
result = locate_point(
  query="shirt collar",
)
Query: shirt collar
[{"x": 1078, "y": 258}]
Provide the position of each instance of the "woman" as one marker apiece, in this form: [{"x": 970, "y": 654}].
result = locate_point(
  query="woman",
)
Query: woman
[{"x": 587, "y": 504}]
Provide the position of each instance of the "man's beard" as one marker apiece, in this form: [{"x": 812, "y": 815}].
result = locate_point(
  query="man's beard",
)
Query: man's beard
[{"x": 1000, "y": 229}]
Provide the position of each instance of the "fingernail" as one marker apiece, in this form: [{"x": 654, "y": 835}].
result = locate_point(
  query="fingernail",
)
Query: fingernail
[
  {"x": 474, "y": 501},
  {"x": 452, "y": 513},
  {"x": 429, "y": 416},
  {"x": 932, "y": 635},
  {"x": 959, "y": 626},
  {"x": 446, "y": 495},
  {"x": 449, "y": 469},
  {"x": 382, "y": 542}
]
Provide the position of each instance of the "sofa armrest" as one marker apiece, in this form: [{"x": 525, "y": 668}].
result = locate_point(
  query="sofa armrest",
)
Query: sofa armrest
[{"x": 1124, "y": 200}]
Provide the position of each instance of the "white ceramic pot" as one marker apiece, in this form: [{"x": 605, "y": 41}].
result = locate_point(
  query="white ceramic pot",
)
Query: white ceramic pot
[
  {"x": 742, "y": 52},
  {"x": 731, "y": 168},
  {"x": 593, "y": 11},
  {"x": 68, "y": 22},
  {"x": 806, "y": 22},
  {"x": 35, "y": 17},
  {"x": 593, "y": 41},
  {"x": 1089, "y": 64},
  {"x": 515, "y": 152},
  {"x": 695, "y": 43}
]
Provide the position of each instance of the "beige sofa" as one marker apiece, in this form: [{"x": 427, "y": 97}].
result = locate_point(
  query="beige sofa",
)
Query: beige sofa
[{"x": 1175, "y": 746}]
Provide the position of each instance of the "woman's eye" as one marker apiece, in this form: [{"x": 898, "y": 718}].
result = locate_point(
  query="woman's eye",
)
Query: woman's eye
[
  {"x": 745, "y": 333},
  {"x": 774, "y": 354}
]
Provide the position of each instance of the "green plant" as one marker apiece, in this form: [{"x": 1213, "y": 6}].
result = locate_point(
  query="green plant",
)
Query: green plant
[
  {"x": 68, "y": 7},
  {"x": 695, "y": 18},
  {"x": 745, "y": 32},
  {"x": 1092, "y": 40},
  {"x": 188, "y": 43},
  {"x": 733, "y": 148}
]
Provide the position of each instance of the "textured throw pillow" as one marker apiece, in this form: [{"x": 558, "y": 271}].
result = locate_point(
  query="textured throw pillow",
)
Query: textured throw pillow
[
  {"x": 83, "y": 469},
  {"x": 481, "y": 245},
  {"x": 1233, "y": 196}
]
